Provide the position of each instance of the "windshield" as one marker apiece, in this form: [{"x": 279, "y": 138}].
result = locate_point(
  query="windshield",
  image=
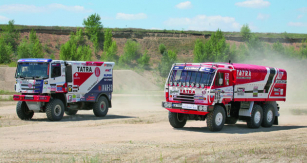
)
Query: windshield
[
  {"x": 32, "y": 70},
  {"x": 195, "y": 77}
]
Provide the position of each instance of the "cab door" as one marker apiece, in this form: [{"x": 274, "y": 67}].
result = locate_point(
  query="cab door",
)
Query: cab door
[
  {"x": 57, "y": 77},
  {"x": 223, "y": 85}
]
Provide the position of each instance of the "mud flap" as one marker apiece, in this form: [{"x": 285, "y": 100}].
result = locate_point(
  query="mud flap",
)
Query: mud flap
[{"x": 276, "y": 120}]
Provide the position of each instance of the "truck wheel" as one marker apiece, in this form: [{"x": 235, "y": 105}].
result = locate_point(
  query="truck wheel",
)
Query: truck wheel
[
  {"x": 231, "y": 120},
  {"x": 256, "y": 117},
  {"x": 23, "y": 111},
  {"x": 71, "y": 112},
  {"x": 177, "y": 120},
  {"x": 55, "y": 110},
  {"x": 216, "y": 118},
  {"x": 101, "y": 107},
  {"x": 268, "y": 115}
]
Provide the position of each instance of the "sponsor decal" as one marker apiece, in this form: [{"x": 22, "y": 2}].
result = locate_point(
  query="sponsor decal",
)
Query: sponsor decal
[
  {"x": 69, "y": 98},
  {"x": 108, "y": 70},
  {"x": 90, "y": 98},
  {"x": 24, "y": 82},
  {"x": 78, "y": 95},
  {"x": 227, "y": 78},
  {"x": 92, "y": 85},
  {"x": 244, "y": 74},
  {"x": 174, "y": 92},
  {"x": 281, "y": 91},
  {"x": 276, "y": 93},
  {"x": 99, "y": 88},
  {"x": 187, "y": 91},
  {"x": 281, "y": 81},
  {"x": 59, "y": 88},
  {"x": 30, "y": 85},
  {"x": 97, "y": 72},
  {"x": 255, "y": 91},
  {"x": 107, "y": 79},
  {"x": 191, "y": 68},
  {"x": 107, "y": 65},
  {"x": 280, "y": 75},
  {"x": 106, "y": 87},
  {"x": 74, "y": 90},
  {"x": 69, "y": 88},
  {"x": 107, "y": 75},
  {"x": 84, "y": 69},
  {"x": 38, "y": 82},
  {"x": 74, "y": 96},
  {"x": 276, "y": 89},
  {"x": 240, "y": 91},
  {"x": 53, "y": 88}
]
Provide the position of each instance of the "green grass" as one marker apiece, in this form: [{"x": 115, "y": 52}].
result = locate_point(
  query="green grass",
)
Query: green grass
[
  {"x": 4, "y": 92},
  {"x": 6, "y": 99}
]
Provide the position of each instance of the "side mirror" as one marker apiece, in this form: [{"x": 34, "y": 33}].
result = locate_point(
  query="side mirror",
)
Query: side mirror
[{"x": 220, "y": 81}]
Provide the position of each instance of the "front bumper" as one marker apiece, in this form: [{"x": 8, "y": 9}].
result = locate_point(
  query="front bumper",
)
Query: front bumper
[
  {"x": 170, "y": 105},
  {"x": 34, "y": 98}
]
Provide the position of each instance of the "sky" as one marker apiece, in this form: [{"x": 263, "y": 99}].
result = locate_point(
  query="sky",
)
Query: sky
[{"x": 265, "y": 16}]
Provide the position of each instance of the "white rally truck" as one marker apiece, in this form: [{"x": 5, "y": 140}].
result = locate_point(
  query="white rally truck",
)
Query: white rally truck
[{"x": 56, "y": 86}]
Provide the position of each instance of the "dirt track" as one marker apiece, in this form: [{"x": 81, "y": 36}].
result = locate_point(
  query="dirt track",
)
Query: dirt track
[{"x": 136, "y": 129}]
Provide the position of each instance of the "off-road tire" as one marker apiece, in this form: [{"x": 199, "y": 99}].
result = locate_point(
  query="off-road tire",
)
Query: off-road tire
[
  {"x": 256, "y": 117},
  {"x": 177, "y": 120},
  {"x": 231, "y": 120},
  {"x": 70, "y": 111},
  {"x": 216, "y": 118},
  {"x": 101, "y": 107},
  {"x": 23, "y": 111},
  {"x": 55, "y": 110},
  {"x": 268, "y": 115}
]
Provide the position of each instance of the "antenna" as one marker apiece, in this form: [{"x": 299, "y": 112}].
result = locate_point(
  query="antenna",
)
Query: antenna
[{"x": 229, "y": 61}]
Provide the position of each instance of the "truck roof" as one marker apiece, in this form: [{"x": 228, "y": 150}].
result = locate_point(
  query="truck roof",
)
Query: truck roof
[
  {"x": 34, "y": 60},
  {"x": 230, "y": 66}
]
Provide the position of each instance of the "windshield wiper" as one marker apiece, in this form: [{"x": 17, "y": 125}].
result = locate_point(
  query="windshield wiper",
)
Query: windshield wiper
[{"x": 22, "y": 77}]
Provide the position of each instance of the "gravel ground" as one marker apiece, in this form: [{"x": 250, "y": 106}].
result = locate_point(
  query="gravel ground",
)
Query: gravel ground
[{"x": 136, "y": 129}]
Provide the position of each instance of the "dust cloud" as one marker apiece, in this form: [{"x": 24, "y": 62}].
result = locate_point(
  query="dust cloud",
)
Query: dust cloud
[{"x": 296, "y": 99}]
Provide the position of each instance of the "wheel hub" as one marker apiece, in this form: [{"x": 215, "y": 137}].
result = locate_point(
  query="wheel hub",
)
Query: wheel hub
[
  {"x": 180, "y": 117},
  {"x": 102, "y": 106},
  {"x": 269, "y": 116},
  {"x": 57, "y": 110},
  {"x": 257, "y": 117},
  {"x": 218, "y": 119}
]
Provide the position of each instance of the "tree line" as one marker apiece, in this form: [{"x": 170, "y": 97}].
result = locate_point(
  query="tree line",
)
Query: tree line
[{"x": 85, "y": 44}]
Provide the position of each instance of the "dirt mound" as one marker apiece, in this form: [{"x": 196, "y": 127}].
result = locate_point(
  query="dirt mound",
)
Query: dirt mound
[
  {"x": 125, "y": 81},
  {"x": 128, "y": 81},
  {"x": 7, "y": 80}
]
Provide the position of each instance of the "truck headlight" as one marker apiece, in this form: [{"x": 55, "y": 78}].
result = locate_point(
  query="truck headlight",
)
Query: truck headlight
[{"x": 167, "y": 104}]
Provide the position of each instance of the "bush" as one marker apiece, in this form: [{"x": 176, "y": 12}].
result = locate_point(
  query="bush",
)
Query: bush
[
  {"x": 110, "y": 47},
  {"x": 143, "y": 61},
  {"x": 93, "y": 29},
  {"x": 6, "y": 51},
  {"x": 10, "y": 35},
  {"x": 30, "y": 48},
  {"x": 245, "y": 32},
  {"x": 215, "y": 50},
  {"x": 75, "y": 48},
  {"x": 168, "y": 59},
  {"x": 131, "y": 53},
  {"x": 162, "y": 48}
]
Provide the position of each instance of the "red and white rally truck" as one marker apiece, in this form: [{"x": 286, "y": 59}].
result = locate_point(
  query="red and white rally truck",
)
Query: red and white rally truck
[
  {"x": 224, "y": 93},
  {"x": 57, "y": 86}
]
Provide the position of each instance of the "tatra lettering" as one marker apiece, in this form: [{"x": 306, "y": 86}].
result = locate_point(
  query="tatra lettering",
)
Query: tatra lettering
[
  {"x": 244, "y": 73},
  {"x": 84, "y": 69}
]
